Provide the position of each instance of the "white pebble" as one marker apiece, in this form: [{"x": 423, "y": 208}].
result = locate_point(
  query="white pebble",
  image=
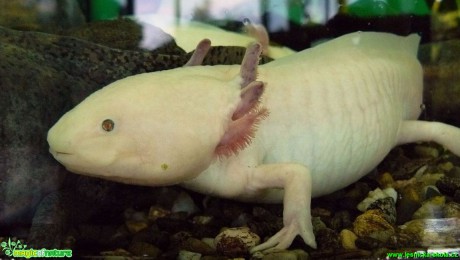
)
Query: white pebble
[{"x": 376, "y": 195}]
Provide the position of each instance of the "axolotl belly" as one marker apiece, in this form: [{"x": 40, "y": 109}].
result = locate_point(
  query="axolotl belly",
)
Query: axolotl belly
[{"x": 301, "y": 126}]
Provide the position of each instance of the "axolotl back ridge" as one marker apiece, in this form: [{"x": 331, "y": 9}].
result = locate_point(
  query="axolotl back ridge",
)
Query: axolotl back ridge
[{"x": 301, "y": 126}]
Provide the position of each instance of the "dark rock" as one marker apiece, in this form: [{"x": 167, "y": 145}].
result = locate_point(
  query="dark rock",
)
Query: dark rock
[
  {"x": 430, "y": 192},
  {"x": 144, "y": 249},
  {"x": 327, "y": 238},
  {"x": 451, "y": 210},
  {"x": 195, "y": 245},
  {"x": 387, "y": 206},
  {"x": 340, "y": 220},
  {"x": 368, "y": 243},
  {"x": 448, "y": 185},
  {"x": 173, "y": 225},
  {"x": 406, "y": 207},
  {"x": 232, "y": 247}
]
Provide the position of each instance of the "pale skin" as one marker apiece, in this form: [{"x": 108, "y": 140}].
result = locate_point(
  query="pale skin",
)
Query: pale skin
[{"x": 296, "y": 128}]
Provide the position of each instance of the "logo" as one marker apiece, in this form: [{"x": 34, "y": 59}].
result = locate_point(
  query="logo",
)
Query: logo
[{"x": 13, "y": 248}]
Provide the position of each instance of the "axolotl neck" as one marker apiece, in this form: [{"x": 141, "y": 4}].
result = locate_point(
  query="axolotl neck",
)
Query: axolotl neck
[{"x": 159, "y": 128}]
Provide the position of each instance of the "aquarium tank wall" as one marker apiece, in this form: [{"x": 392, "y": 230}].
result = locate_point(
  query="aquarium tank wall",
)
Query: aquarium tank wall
[{"x": 257, "y": 129}]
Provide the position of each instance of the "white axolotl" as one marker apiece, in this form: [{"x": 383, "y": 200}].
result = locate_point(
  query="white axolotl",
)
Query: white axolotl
[{"x": 310, "y": 124}]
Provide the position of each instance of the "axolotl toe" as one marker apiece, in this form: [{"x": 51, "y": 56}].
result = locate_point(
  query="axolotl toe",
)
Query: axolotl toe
[{"x": 301, "y": 126}]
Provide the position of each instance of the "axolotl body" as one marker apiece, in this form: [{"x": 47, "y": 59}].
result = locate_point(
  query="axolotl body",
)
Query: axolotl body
[{"x": 301, "y": 126}]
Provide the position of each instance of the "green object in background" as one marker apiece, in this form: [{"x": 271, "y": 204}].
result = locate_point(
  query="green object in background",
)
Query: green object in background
[
  {"x": 104, "y": 9},
  {"x": 296, "y": 11},
  {"x": 372, "y": 8}
]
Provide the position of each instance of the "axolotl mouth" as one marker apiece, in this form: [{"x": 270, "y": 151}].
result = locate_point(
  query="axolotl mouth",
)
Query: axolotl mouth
[
  {"x": 63, "y": 157},
  {"x": 57, "y": 154},
  {"x": 68, "y": 161}
]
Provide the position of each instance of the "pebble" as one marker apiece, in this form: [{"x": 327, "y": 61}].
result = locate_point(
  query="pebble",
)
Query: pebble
[
  {"x": 448, "y": 185},
  {"x": 387, "y": 206},
  {"x": 136, "y": 226},
  {"x": 409, "y": 168},
  {"x": 455, "y": 171},
  {"x": 401, "y": 184},
  {"x": 179, "y": 237},
  {"x": 382, "y": 235},
  {"x": 375, "y": 195},
  {"x": 184, "y": 203},
  {"x": 233, "y": 242},
  {"x": 342, "y": 219},
  {"x": 266, "y": 224},
  {"x": 341, "y": 254},
  {"x": 210, "y": 242},
  {"x": 153, "y": 236},
  {"x": 431, "y": 208},
  {"x": 348, "y": 239},
  {"x": 187, "y": 255},
  {"x": 196, "y": 245},
  {"x": 411, "y": 192},
  {"x": 430, "y": 179},
  {"x": 156, "y": 212},
  {"x": 297, "y": 254},
  {"x": 430, "y": 191},
  {"x": 428, "y": 232},
  {"x": 321, "y": 212},
  {"x": 369, "y": 222},
  {"x": 327, "y": 238},
  {"x": 358, "y": 192},
  {"x": 451, "y": 210},
  {"x": 144, "y": 249},
  {"x": 135, "y": 221},
  {"x": 173, "y": 225},
  {"x": 446, "y": 167},
  {"x": 216, "y": 257},
  {"x": 202, "y": 220},
  {"x": 318, "y": 224},
  {"x": 116, "y": 252},
  {"x": 242, "y": 220},
  {"x": 456, "y": 196},
  {"x": 408, "y": 203},
  {"x": 368, "y": 243},
  {"x": 426, "y": 151},
  {"x": 385, "y": 180}
]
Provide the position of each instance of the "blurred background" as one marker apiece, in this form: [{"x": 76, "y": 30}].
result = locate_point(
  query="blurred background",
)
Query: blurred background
[{"x": 293, "y": 23}]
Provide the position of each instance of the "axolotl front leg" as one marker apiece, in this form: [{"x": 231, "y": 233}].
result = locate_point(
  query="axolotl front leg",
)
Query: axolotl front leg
[
  {"x": 263, "y": 183},
  {"x": 295, "y": 180},
  {"x": 266, "y": 183}
]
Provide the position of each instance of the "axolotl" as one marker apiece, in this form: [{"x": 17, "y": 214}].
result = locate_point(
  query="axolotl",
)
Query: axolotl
[{"x": 299, "y": 127}]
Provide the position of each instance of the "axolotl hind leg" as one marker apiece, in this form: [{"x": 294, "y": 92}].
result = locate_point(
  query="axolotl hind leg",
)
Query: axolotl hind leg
[
  {"x": 295, "y": 179},
  {"x": 443, "y": 134}
]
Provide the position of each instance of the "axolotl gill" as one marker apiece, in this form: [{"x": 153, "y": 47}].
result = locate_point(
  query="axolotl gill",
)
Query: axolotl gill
[{"x": 299, "y": 127}]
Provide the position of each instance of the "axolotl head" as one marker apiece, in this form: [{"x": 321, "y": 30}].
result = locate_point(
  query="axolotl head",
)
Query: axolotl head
[{"x": 158, "y": 128}]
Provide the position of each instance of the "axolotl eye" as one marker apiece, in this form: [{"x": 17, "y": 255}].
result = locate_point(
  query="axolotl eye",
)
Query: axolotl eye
[{"x": 108, "y": 125}]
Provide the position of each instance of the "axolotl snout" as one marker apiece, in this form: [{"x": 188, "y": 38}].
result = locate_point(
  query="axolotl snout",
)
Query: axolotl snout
[{"x": 301, "y": 126}]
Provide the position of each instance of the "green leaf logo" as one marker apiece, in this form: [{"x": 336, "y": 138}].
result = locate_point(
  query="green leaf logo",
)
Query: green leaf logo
[{"x": 9, "y": 247}]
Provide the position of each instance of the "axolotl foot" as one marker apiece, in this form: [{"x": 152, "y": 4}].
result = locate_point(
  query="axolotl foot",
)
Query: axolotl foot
[
  {"x": 295, "y": 179},
  {"x": 299, "y": 225}
]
